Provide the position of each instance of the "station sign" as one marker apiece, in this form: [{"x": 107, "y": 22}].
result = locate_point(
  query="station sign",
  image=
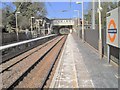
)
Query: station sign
[{"x": 113, "y": 28}]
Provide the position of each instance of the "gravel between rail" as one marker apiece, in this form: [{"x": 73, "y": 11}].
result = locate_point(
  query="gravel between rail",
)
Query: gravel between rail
[
  {"x": 14, "y": 61},
  {"x": 36, "y": 78}
]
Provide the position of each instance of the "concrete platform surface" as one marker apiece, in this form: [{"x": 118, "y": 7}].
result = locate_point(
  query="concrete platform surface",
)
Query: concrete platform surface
[{"x": 80, "y": 67}]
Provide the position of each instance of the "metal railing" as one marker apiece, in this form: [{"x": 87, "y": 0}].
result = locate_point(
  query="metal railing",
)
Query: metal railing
[{"x": 24, "y": 42}]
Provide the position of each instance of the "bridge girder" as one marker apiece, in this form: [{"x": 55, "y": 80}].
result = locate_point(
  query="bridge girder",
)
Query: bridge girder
[{"x": 62, "y": 22}]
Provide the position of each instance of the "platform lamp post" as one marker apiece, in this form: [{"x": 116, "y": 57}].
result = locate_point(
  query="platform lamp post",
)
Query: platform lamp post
[
  {"x": 17, "y": 25},
  {"x": 37, "y": 27},
  {"x": 93, "y": 14},
  {"x": 82, "y": 18},
  {"x": 32, "y": 24},
  {"x": 100, "y": 30},
  {"x": 44, "y": 23},
  {"x": 78, "y": 22},
  {"x": 41, "y": 20},
  {"x": 48, "y": 27},
  {"x": 75, "y": 19}
]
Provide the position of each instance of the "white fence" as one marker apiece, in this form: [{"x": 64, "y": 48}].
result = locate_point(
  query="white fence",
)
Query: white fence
[{"x": 24, "y": 42}]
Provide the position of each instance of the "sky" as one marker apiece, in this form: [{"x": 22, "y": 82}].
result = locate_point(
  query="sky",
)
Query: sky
[{"x": 55, "y": 9}]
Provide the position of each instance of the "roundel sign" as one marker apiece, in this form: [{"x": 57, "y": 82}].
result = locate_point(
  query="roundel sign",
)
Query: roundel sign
[{"x": 112, "y": 30}]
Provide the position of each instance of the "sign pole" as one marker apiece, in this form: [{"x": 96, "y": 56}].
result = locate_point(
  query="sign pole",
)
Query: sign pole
[
  {"x": 93, "y": 14},
  {"x": 100, "y": 32},
  {"x": 83, "y": 20},
  {"x": 108, "y": 54},
  {"x": 119, "y": 57}
]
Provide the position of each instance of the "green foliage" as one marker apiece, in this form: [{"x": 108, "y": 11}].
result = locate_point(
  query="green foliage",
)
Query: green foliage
[
  {"x": 88, "y": 16},
  {"x": 26, "y": 9},
  {"x": 107, "y": 6}
]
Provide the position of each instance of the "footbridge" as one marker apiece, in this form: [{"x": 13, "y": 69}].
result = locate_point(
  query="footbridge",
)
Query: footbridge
[{"x": 62, "y": 23}]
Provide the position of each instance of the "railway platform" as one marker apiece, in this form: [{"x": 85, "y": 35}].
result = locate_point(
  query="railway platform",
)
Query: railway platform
[{"x": 80, "y": 67}]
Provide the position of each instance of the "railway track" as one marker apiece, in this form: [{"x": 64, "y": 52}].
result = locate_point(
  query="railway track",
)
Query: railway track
[
  {"x": 8, "y": 64},
  {"x": 32, "y": 69},
  {"x": 9, "y": 53}
]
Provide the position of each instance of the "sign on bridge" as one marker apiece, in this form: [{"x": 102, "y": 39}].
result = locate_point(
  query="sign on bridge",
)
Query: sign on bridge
[{"x": 62, "y": 22}]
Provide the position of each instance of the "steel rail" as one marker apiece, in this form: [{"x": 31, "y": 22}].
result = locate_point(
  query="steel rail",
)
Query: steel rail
[
  {"x": 52, "y": 66},
  {"x": 24, "y": 74},
  {"x": 25, "y": 57}
]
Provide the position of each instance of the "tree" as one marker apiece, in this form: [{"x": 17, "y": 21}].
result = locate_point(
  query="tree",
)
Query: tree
[
  {"x": 8, "y": 19},
  {"x": 107, "y": 6},
  {"x": 26, "y": 9},
  {"x": 88, "y": 16},
  {"x": 5, "y": 15}
]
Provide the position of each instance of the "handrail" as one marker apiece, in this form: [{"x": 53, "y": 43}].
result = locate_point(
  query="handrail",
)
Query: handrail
[{"x": 23, "y": 42}]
